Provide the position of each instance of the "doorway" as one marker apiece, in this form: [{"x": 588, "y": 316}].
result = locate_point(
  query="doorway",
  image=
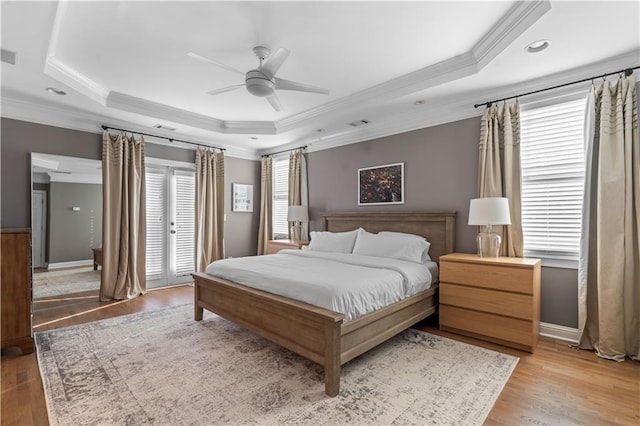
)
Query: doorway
[{"x": 170, "y": 198}]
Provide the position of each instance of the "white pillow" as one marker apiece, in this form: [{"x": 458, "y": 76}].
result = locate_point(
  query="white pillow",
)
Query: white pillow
[
  {"x": 336, "y": 242},
  {"x": 390, "y": 246},
  {"x": 425, "y": 255}
]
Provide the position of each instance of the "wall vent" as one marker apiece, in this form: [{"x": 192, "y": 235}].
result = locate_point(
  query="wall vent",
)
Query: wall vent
[
  {"x": 8, "y": 56},
  {"x": 163, "y": 127},
  {"x": 359, "y": 123}
]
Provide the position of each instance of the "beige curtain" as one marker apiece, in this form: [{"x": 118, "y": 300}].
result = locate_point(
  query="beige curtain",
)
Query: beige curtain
[
  {"x": 609, "y": 271},
  {"x": 265, "y": 232},
  {"x": 499, "y": 169},
  {"x": 124, "y": 226},
  {"x": 298, "y": 195},
  {"x": 209, "y": 207}
]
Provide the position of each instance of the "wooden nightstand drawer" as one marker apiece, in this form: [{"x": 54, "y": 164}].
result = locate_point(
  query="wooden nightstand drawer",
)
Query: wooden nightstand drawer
[
  {"x": 493, "y": 276},
  {"x": 484, "y": 324},
  {"x": 496, "y": 302}
]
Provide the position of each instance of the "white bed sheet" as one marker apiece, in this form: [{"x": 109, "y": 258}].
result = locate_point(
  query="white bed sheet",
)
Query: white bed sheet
[{"x": 350, "y": 284}]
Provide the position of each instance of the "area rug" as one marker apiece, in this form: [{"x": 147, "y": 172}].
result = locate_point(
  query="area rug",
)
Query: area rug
[
  {"x": 59, "y": 282},
  {"x": 163, "y": 367}
]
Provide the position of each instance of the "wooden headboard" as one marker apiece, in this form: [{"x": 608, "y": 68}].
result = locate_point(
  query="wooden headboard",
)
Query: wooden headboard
[{"x": 438, "y": 227}]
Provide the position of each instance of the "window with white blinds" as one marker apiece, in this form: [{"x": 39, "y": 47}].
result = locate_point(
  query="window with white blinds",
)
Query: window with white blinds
[
  {"x": 280, "y": 197},
  {"x": 156, "y": 190},
  {"x": 185, "y": 193},
  {"x": 552, "y": 162}
]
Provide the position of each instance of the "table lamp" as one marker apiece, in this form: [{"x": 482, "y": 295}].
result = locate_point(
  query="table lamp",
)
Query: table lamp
[
  {"x": 297, "y": 215},
  {"x": 487, "y": 212}
]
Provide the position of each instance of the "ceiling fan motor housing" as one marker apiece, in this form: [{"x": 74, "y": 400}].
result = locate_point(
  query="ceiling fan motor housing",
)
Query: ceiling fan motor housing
[{"x": 258, "y": 84}]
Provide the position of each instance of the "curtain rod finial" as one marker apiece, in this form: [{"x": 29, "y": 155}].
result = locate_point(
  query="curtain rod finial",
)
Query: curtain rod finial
[{"x": 628, "y": 72}]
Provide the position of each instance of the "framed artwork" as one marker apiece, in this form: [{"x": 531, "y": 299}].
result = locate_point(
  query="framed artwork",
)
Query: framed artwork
[
  {"x": 381, "y": 185},
  {"x": 242, "y": 197}
]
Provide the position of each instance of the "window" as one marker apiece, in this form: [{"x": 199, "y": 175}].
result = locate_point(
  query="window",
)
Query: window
[
  {"x": 552, "y": 161},
  {"x": 280, "y": 197}
]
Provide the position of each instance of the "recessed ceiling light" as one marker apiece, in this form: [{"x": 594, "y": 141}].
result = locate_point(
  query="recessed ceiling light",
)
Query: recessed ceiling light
[
  {"x": 164, "y": 127},
  {"x": 56, "y": 91},
  {"x": 537, "y": 46},
  {"x": 419, "y": 102}
]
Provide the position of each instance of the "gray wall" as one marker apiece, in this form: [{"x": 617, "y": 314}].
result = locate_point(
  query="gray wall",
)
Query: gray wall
[
  {"x": 441, "y": 164},
  {"x": 73, "y": 233},
  {"x": 241, "y": 229},
  {"x": 21, "y": 138}
]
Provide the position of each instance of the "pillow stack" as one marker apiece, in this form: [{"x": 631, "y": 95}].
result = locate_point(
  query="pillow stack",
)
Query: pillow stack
[{"x": 394, "y": 245}]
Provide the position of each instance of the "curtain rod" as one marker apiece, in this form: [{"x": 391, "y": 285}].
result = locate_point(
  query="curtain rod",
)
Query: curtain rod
[
  {"x": 626, "y": 71},
  {"x": 162, "y": 137},
  {"x": 286, "y": 150}
]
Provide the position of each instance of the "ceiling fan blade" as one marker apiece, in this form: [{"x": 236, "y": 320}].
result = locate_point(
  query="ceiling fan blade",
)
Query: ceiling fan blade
[
  {"x": 282, "y": 84},
  {"x": 216, "y": 63},
  {"x": 274, "y": 101},
  {"x": 274, "y": 62},
  {"x": 225, "y": 89}
]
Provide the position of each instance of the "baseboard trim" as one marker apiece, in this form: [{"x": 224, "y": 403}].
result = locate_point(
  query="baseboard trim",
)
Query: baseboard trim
[
  {"x": 559, "y": 332},
  {"x": 71, "y": 264}
]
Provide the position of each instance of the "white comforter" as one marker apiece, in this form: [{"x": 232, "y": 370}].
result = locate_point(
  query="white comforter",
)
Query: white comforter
[{"x": 350, "y": 284}]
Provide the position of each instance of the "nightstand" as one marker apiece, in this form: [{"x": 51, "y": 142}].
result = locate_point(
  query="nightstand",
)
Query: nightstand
[
  {"x": 274, "y": 246},
  {"x": 493, "y": 299}
]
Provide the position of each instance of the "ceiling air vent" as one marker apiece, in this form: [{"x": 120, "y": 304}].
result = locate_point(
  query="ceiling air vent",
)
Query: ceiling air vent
[
  {"x": 359, "y": 123},
  {"x": 8, "y": 56},
  {"x": 162, "y": 127}
]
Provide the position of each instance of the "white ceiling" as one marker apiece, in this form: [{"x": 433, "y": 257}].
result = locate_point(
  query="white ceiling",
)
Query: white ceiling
[{"x": 125, "y": 64}]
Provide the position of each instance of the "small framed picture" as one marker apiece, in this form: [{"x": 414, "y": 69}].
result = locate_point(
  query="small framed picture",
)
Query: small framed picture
[
  {"x": 242, "y": 197},
  {"x": 381, "y": 185}
]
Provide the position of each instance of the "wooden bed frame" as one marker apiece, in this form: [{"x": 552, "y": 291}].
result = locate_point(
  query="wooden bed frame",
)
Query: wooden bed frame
[{"x": 319, "y": 334}]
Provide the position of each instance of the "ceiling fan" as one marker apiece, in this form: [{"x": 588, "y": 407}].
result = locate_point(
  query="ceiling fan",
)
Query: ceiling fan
[{"x": 262, "y": 81}]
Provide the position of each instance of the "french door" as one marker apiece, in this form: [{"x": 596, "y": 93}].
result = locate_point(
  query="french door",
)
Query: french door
[{"x": 170, "y": 196}]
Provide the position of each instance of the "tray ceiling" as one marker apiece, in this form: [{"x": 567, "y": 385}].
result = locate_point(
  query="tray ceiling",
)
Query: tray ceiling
[{"x": 126, "y": 63}]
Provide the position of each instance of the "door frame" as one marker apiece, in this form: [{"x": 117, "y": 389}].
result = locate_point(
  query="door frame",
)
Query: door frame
[{"x": 39, "y": 241}]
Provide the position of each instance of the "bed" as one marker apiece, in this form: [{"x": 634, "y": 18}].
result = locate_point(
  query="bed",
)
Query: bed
[{"x": 319, "y": 334}]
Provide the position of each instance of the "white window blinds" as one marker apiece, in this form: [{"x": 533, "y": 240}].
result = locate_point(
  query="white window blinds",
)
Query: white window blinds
[
  {"x": 185, "y": 191},
  {"x": 280, "y": 197},
  {"x": 552, "y": 161},
  {"x": 156, "y": 226}
]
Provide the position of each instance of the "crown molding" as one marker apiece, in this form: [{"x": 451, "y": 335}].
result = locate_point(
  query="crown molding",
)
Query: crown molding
[
  {"x": 19, "y": 107},
  {"x": 65, "y": 74},
  {"x": 517, "y": 19}
]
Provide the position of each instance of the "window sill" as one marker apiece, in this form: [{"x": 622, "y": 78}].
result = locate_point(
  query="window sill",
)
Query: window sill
[{"x": 558, "y": 263}]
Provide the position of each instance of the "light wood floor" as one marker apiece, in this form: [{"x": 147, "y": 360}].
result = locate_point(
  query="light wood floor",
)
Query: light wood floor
[{"x": 555, "y": 386}]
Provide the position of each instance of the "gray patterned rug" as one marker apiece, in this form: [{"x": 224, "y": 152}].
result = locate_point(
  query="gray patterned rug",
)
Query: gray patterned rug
[
  {"x": 163, "y": 367},
  {"x": 65, "y": 281}
]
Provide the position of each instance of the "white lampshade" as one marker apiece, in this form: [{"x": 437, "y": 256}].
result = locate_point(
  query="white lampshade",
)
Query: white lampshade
[
  {"x": 489, "y": 211},
  {"x": 298, "y": 214}
]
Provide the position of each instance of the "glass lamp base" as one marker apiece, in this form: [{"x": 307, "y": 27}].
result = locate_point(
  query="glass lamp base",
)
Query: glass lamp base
[
  {"x": 488, "y": 243},
  {"x": 296, "y": 232}
]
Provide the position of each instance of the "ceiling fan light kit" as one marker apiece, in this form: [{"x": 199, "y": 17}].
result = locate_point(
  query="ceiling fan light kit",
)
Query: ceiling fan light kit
[
  {"x": 258, "y": 84},
  {"x": 262, "y": 81}
]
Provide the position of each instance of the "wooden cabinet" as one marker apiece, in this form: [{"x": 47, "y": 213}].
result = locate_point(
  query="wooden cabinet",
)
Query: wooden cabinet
[
  {"x": 274, "y": 246},
  {"x": 15, "y": 309},
  {"x": 497, "y": 300}
]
